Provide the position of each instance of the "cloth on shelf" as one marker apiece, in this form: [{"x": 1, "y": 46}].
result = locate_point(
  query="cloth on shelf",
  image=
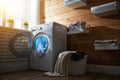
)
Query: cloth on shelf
[{"x": 106, "y": 44}]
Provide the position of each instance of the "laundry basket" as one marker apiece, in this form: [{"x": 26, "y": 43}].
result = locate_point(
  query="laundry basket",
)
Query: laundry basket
[{"x": 78, "y": 67}]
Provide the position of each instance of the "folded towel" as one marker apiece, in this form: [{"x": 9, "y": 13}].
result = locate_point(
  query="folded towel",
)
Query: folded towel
[
  {"x": 106, "y": 44},
  {"x": 105, "y": 7},
  {"x": 62, "y": 64}
]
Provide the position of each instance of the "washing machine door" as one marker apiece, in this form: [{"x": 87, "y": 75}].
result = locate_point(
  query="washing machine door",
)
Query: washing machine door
[
  {"x": 41, "y": 44},
  {"x": 21, "y": 45}
]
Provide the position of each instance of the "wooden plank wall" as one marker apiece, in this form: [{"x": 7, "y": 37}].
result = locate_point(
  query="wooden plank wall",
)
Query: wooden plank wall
[
  {"x": 55, "y": 10},
  {"x": 85, "y": 42}
]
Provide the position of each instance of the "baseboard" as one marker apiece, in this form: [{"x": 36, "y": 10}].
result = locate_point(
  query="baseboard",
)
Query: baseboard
[
  {"x": 114, "y": 70},
  {"x": 13, "y": 66}
]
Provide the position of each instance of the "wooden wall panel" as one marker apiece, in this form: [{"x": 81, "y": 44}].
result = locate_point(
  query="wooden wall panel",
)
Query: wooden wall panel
[
  {"x": 42, "y": 11},
  {"x": 102, "y": 28},
  {"x": 85, "y": 42},
  {"x": 56, "y": 10}
]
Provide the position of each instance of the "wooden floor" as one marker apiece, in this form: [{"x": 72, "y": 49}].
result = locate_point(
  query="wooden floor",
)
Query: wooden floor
[{"x": 37, "y": 75}]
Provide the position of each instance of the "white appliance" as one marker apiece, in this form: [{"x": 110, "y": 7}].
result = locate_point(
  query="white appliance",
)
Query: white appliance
[
  {"x": 15, "y": 48},
  {"x": 49, "y": 40}
]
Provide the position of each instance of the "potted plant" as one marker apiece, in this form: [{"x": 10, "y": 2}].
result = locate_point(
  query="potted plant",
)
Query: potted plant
[
  {"x": 10, "y": 22},
  {"x": 25, "y": 25}
]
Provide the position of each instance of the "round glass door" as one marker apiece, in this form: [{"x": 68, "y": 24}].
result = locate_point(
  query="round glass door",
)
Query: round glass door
[
  {"x": 21, "y": 45},
  {"x": 41, "y": 45}
]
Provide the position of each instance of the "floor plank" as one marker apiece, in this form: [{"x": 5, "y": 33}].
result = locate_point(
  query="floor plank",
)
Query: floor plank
[{"x": 38, "y": 75}]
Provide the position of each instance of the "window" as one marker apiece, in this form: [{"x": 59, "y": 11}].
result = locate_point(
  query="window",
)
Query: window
[{"x": 19, "y": 10}]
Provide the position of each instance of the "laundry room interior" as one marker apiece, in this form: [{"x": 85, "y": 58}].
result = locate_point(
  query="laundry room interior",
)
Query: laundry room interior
[{"x": 60, "y": 39}]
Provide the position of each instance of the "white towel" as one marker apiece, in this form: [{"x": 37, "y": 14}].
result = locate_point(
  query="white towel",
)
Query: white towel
[
  {"x": 111, "y": 6},
  {"x": 62, "y": 64}
]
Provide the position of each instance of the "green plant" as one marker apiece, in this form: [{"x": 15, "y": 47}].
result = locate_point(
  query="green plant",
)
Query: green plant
[
  {"x": 10, "y": 20},
  {"x": 25, "y": 23}
]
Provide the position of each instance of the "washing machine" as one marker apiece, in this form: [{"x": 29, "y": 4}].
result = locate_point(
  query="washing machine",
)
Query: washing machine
[
  {"x": 15, "y": 49},
  {"x": 21, "y": 45},
  {"x": 49, "y": 40}
]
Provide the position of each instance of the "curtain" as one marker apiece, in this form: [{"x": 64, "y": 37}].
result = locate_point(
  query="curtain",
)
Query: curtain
[{"x": 20, "y": 11}]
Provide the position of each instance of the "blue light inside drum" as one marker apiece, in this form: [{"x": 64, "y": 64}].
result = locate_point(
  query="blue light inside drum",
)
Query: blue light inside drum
[{"x": 41, "y": 45}]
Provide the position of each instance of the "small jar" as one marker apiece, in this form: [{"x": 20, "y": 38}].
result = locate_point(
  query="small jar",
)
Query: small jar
[
  {"x": 10, "y": 23},
  {"x": 25, "y": 25}
]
